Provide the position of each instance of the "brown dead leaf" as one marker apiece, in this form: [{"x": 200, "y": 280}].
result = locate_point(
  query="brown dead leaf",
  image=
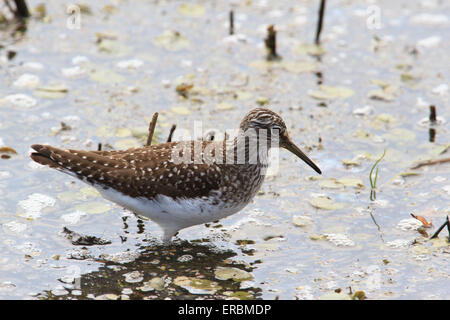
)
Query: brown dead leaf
[
  {"x": 424, "y": 221},
  {"x": 183, "y": 89},
  {"x": 7, "y": 150},
  {"x": 423, "y": 232}
]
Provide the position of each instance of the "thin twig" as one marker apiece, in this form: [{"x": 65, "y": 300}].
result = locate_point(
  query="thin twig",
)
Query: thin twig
[
  {"x": 21, "y": 9},
  {"x": 432, "y": 114},
  {"x": 271, "y": 44},
  {"x": 151, "y": 129},
  {"x": 432, "y": 134},
  {"x": 446, "y": 223},
  {"x": 169, "y": 138},
  {"x": 430, "y": 163},
  {"x": 231, "y": 22},
  {"x": 320, "y": 21},
  {"x": 448, "y": 228}
]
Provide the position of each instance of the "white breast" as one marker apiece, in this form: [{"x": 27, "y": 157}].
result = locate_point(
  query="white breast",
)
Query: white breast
[{"x": 170, "y": 214}]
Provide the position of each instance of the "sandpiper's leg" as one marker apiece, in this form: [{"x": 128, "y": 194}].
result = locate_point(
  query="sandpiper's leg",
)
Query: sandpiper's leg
[{"x": 168, "y": 234}]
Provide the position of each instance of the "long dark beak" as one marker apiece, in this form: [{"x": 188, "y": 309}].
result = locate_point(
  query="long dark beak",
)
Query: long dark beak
[{"x": 287, "y": 143}]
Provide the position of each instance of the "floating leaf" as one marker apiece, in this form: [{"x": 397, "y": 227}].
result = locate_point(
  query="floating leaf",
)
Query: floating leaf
[
  {"x": 351, "y": 182},
  {"x": 316, "y": 237},
  {"x": 183, "y": 89},
  {"x": 335, "y": 296},
  {"x": 84, "y": 8},
  {"x": 104, "y": 132},
  {"x": 226, "y": 273},
  {"x": 105, "y": 75},
  {"x": 93, "y": 207},
  {"x": 155, "y": 283},
  {"x": 311, "y": 49},
  {"x": 123, "y": 132},
  {"x": 420, "y": 250},
  {"x": 380, "y": 95},
  {"x": 110, "y": 9},
  {"x": 197, "y": 286},
  {"x": 386, "y": 93},
  {"x": 329, "y": 93},
  {"x": 90, "y": 192},
  {"x": 181, "y": 110},
  {"x": 57, "y": 91},
  {"x": 330, "y": 184},
  {"x": 191, "y": 10},
  {"x": 200, "y": 91},
  {"x": 40, "y": 11},
  {"x": 241, "y": 295},
  {"x": 440, "y": 242},
  {"x": 114, "y": 47},
  {"x": 407, "y": 77},
  {"x": 298, "y": 66},
  {"x": 108, "y": 35},
  {"x": 302, "y": 221},
  {"x": 387, "y": 118},
  {"x": 224, "y": 106},
  {"x": 141, "y": 133},
  {"x": 400, "y": 135},
  {"x": 126, "y": 144},
  {"x": 325, "y": 203},
  {"x": 262, "y": 65},
  {"x": 172, "y": 40},
  {"x": 290, "y": 66},
  {"x": 351, "y": 162},
  {"x": 70, "y": 196},
  {"x": 243, "y": 95}
]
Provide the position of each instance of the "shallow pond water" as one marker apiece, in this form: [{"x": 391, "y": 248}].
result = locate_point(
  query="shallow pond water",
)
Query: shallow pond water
[{"x": 381, "y": 65}]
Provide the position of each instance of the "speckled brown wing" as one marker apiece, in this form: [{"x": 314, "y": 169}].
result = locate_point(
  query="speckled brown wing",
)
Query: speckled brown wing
[{"x": 138, "y": 172}]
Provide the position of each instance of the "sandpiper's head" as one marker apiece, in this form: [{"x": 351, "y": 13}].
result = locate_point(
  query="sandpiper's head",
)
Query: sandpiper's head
[{"x": 262, "y": 118}]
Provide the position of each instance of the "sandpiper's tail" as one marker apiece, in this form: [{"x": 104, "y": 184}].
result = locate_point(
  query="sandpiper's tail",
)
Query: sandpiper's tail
[
  {"x": 84, "y": 165},
  {"x": 46, "y": 155}
]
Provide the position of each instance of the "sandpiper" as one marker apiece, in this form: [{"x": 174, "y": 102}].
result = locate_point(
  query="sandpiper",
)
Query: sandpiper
[{"x": 185, "y": 183}]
